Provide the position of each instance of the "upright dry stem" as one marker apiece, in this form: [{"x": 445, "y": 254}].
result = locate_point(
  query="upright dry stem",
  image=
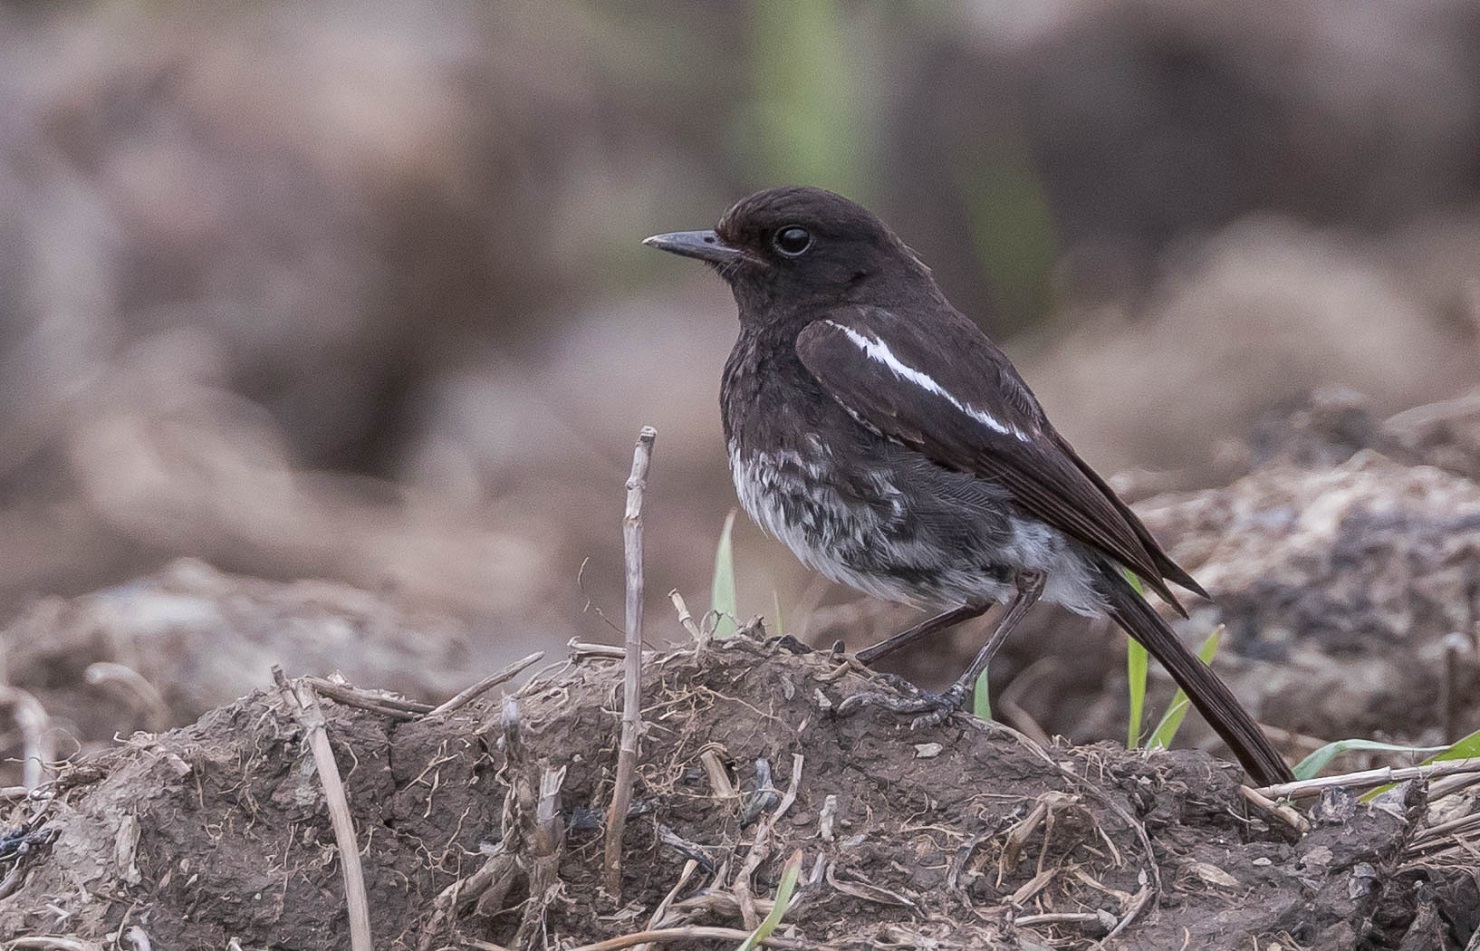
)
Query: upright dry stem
[
  {"x": 616, "y": 819},
  {"x": 305, "y": 707}
]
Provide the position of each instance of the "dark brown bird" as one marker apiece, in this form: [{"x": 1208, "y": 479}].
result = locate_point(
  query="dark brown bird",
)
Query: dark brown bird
[{"x": 894, "y": 448}]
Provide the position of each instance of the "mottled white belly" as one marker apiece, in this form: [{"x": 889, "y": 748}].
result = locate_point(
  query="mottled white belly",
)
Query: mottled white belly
[{"x": 873, "y": 545}]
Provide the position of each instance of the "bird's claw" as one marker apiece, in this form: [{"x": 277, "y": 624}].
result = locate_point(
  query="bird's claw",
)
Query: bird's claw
[
  {"x": 944, "y": 704},
  {"x": 933, "y": 708}
]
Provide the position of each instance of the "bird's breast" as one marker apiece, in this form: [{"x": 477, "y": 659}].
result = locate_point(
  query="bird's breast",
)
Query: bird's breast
[
  {"x": 865, "y": 510},
  {"x": 794, "y": 496},
  {"x": 804, "y": 501}
]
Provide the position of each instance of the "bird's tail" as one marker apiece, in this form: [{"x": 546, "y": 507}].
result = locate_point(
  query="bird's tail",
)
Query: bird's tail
[{"x": 1208, "y": 694}]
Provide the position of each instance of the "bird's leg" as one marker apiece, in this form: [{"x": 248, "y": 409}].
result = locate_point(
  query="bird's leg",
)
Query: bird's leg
[
  {"x": 933, "y": 708},
  {"x": 935, "y": 625},
  {"x": 1029, "y": 589}
]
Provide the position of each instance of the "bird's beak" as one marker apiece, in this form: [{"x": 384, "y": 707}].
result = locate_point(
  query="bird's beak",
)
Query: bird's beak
[{"x": 704, "y": 245}]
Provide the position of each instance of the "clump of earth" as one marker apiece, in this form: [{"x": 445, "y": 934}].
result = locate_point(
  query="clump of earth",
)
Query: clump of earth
[{"x": 483, "y": 827}]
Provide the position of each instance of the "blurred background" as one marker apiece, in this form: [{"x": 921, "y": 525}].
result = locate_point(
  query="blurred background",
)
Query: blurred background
[{"x": 354, "y": 291}]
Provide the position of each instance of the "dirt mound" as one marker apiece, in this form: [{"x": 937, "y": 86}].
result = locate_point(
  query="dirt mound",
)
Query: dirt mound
[
  {"x": 165, "y": 649},
  {"x": 1356, "y": 581},
  {"x": 484, "y": 825}
]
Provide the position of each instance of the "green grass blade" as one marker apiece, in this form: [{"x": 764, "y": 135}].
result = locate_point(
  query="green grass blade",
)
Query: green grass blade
[
  {"x": 1011, "y": 226},
  {"x": 981, "y": 698},
  {"x": 722, "y": 591},
  {"x": 1136, "y": 663},
  {"x": 1312, "y": 765},
  {"x": 1171, "y": 721},
  {"x": 808, "y": 104},
  {"x": 788, "y": 884},
  {"x": 1463, "y": 748}
]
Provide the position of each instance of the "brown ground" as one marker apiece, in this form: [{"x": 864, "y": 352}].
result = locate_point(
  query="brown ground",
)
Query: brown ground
[
  {"x": 964, "y": 835},
  {"x": 337, "y": 293},
  {"x": 1343, "y": 562}
]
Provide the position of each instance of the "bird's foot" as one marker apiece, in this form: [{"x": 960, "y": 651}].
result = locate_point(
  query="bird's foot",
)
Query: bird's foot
[
  {"x": 932, "y": 708},
  {"x": 788, "y": 643}
]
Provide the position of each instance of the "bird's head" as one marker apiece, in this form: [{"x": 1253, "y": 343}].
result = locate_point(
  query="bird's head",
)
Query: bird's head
[{"x": 799, "y": 248}]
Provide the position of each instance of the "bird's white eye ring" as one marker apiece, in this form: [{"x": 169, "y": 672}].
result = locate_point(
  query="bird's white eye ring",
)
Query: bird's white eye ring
[{"x": 792, "y": 241}]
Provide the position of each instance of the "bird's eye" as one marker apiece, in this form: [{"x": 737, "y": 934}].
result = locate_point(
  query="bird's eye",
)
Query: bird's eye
[{"x": 793, "y": 241}]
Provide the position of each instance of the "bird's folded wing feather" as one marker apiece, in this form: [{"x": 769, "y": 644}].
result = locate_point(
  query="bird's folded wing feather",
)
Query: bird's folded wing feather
[{"x": 949, "y": 393}]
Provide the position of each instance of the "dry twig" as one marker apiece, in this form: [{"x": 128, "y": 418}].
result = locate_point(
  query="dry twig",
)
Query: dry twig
[
  {"x": 1062, "y": 918},
  {"x": 686, "y": 619},
  {"x": 1369, "y": 778},
  {"x": 377, "y": 702},
  {"x": 136, "y": 689},
  {"x": 616, "y": 818},
  {"x": 487, "y": 887},
  {"x": 1279, "y": 811},
  {"x": 1090, "y": 789},
  {"x": 1138, "y": 904},
  {"x": 797, "y": 761},
  {"x": 580, "y": 650},
  {"x": 825, "y": 817},
  {"x": 691, "y": 933},
  {"x": 305, "y": 706},
  {"x": 661, "y": 912},
  {"x": 1453, "y": 784},
  {"x": 759, "y": 850},
  {"x": 711, "y": 758},
  {"x": 469, "y": 694},
  {"x": 865, "y": 890},
  {"x": 544, "y": 845},
  {"x": 36, "y": 735}
]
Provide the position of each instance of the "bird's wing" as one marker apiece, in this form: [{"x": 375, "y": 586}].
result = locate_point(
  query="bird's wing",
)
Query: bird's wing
[{"x": 947, "y": 391}]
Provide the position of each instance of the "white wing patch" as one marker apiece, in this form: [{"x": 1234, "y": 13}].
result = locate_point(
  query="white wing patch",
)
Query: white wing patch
[{"x": 879, "y": 351}]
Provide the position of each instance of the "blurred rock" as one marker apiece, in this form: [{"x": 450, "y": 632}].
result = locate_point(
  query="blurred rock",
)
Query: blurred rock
[
  {"x": 335, "y": 197},
  {"x": 1256, "y": 318},
  {"x": 1144, "y": 123},
  {"x": 238, "y": 251},
  {"x": 1344, "y": 582},
  {"x": 1366, "y": 555},
  {"x": 1444, "y": 434},
  {"x": 143, "y": 471},
  {"x": 195, "y": 639},
  {"x": 1330, "y": 426},
  {"x": 1320, "y": 431}
]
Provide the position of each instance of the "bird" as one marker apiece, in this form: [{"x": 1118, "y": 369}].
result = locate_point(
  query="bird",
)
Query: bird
[{"x": 893, "y": 447}]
